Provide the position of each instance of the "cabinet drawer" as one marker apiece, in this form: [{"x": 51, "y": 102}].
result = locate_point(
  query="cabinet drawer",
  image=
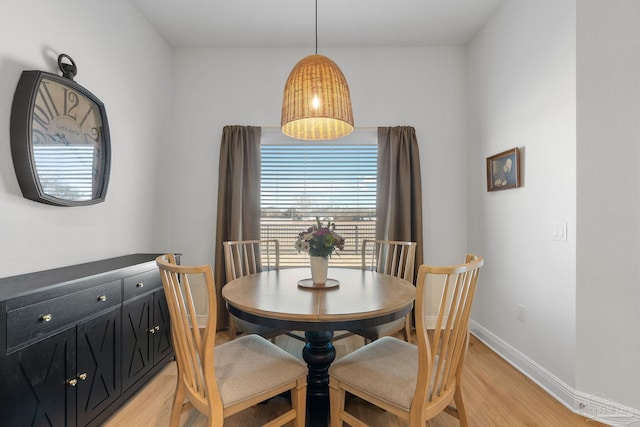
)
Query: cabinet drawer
[
  {"x": 39, "y": 320},
  {"x": 141, "y": 283}
]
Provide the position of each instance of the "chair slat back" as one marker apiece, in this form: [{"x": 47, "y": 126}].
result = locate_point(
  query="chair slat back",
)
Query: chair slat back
[
  {"x": 194, "y": 350},
  {"x": 441, "y": 358},
  {"x": 250, "y": 256},
  {"x": 389, "y": 257}
]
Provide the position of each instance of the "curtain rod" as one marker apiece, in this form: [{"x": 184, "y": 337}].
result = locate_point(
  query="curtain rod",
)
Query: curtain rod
[
  {"x": 360, "y": 128},
  {"x": 272, "y": 134}
]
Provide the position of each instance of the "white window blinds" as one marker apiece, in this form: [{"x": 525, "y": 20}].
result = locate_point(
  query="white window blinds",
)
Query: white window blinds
[
  {"x": 330, "y": 179},
  {"x": 66, "y": 172}
]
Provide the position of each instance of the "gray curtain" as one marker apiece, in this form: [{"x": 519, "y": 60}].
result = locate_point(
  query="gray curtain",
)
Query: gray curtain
[
  {"x": 399, "y": 199},
  {"x": 238, "y": 198}
]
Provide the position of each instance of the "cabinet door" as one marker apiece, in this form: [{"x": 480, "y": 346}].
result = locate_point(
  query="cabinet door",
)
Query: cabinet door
[
  {"x": 162, "y": 325},
  {"x": 35, "y": 389},
  {"x": 98, "y": 362},
  {"x": 137, "y": 349}
]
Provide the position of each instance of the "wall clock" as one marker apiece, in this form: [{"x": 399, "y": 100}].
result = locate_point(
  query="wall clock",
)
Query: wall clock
[{"x": 59, "y": 138}]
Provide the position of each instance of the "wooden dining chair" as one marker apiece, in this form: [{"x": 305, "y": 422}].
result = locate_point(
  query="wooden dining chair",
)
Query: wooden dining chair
[
  {"x": 414, "y": 383},
  {"x": 220, "y": 381},
  {"x": 244, "y": 257},
  {"x": 395, "y": 259}
]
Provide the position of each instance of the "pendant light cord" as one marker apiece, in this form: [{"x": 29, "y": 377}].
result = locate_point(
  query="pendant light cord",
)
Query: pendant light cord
[{"x": 316, "y": 27}]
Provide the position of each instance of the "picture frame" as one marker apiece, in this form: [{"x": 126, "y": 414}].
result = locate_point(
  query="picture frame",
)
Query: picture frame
[{"x": 503, "y": 170}]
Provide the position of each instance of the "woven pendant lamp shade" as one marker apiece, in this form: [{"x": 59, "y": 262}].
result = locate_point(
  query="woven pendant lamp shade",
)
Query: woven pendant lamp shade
[{"x": 316, "y": 104}]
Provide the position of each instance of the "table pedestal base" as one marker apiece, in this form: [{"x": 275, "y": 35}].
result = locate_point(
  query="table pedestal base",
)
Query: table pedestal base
[{"x": 319, "y": 353}]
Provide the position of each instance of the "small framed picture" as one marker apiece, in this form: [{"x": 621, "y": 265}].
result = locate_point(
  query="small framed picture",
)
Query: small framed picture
[{"x": 503, "y": 170}]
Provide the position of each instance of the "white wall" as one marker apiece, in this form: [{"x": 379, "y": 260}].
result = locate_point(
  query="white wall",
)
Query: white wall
[
  {"x": 522, "y": 94},
  {"x": 608, "y": 200},
  {"x": 421, "y": 87},
  {"x": 126, "y": 64},
  {"x": 559, "y": 79}
]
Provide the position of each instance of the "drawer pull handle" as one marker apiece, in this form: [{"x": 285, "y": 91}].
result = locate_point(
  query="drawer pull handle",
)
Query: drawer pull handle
[
  {"x": 152, "y": 331},
  {"x": 83, "y": 376},
  {"x": 46, "y": 317},
  {"x": 157, "y": 328},
  {"x": 140, "y": 285},
  {"x": 102, "y": 298},
  {"x": 72, "y": 382}
]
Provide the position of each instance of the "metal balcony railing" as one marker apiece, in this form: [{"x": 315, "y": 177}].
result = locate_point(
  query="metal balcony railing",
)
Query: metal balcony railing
[{"x": 286, "y": 231}]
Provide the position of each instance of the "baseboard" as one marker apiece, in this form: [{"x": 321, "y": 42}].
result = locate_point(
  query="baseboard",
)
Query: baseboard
[
  {"x": 202, "y": 321},
  {"x": 430, "y": 321},
  {"x": 595, "y": 407}
]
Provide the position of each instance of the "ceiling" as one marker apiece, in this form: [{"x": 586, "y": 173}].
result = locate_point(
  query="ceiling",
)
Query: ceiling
[{"x": 341, "y": 23}]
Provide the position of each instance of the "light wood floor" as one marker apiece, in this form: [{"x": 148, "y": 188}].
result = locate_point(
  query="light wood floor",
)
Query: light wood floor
[{"x": 495, "y": 394}]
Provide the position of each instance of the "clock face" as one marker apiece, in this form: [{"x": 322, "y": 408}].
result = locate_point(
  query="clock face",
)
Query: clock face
[
  {"x": 66, "y": 117},
  {"x": 59, "y": 141}
]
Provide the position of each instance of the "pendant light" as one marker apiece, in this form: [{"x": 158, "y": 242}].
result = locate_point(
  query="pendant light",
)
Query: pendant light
[{"x": 316, "y": 104}]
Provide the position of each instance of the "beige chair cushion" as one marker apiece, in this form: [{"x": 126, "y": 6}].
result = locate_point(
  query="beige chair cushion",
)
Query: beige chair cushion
[
  {"x": 387, "y": 369},
  {"x": 250, "y": 365}
]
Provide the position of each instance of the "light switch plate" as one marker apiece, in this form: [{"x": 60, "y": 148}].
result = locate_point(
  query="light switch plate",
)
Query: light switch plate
[{"x": 559, "y": 231}]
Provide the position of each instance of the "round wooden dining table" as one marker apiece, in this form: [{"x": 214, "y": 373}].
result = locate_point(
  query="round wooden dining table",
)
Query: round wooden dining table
[{"x": 361, "y": 299}]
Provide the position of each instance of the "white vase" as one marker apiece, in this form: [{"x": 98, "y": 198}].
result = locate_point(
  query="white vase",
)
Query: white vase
[{"x": 319, "y": 267}]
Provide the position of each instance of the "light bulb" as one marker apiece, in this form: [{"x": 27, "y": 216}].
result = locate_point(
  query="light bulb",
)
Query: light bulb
[{"x": 315, "y": 102}]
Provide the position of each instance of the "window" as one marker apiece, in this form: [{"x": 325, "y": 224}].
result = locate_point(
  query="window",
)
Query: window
[{"x": 330, "y": 179}]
